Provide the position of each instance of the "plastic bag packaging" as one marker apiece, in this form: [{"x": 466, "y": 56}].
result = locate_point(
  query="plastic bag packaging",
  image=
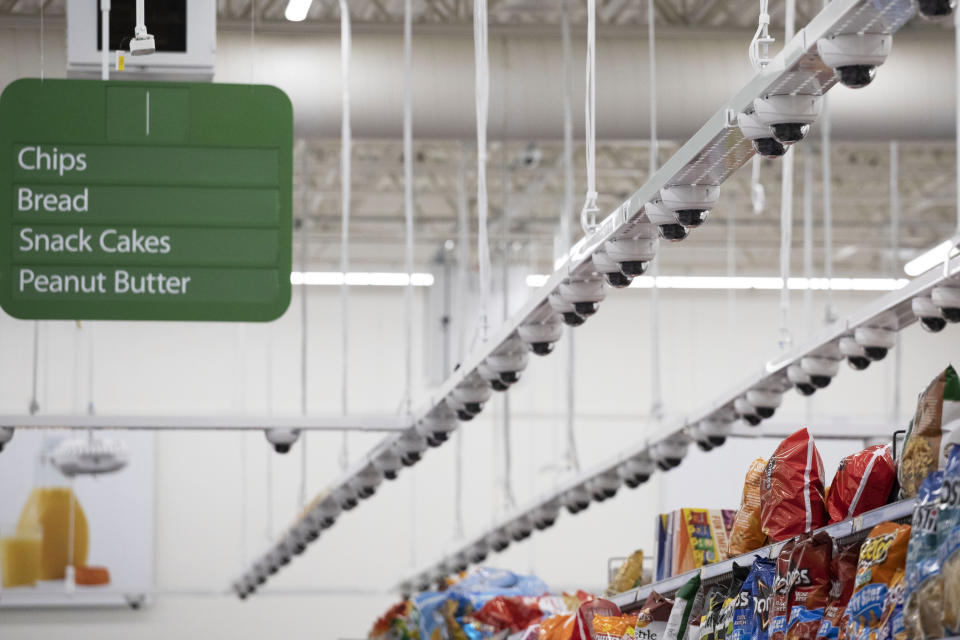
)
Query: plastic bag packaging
[
  {"x": 792, "y": 489},
  {"x": 746, "y": 533},
  {"x": 653, "y": 617},
  {"x": 863, "y": 482},
  {"x": 753, "y": 621},
  {"x": 938, "y": 410},
  {"x": 843, "y": 569},
  {"x": 583, "y": 618},
  {"x": 810, "y": 583},
  {"x": 948, "y": 532},
  {"x": 557, "y": 628},
  {"x": 514, "y": 613},
  {"x": 679, "y": 620},
  {"x": 924, "y": 588},
  {"x": 613, "y": 627},
  {"x": 628, "y": 575},
  {"x": 724, "y": 624},
  {"x": 880, "y": 570},
  {"x": 713, "y": 603},
  {"x": 780, "y": 600}
]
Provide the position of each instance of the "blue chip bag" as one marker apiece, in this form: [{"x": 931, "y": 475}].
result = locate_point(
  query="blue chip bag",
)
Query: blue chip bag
[
  {"x": 751, "y": 614},
  {"x": 948, "y": 533}
]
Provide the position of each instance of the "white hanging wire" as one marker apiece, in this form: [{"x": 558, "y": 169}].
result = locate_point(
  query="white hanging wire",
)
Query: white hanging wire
[
  {"x": 482, "y": 84},
  {"x": 34, "y": 405},
  {"x": 304, "y": 321},
  {"x": 408, "y": 196},
  {"x": 463, "y": 256},
  {"x": 345, "y": 137},
  {"x": 807, "y": 237},
  {"x": 588, "y": 215},
  {"x": 91, "y": 351},
  {"x": 894, "y": 268},
  {"x": 758, "y": 195},
  {"x": 759, "y": 49},
  {"x": 656, "y": 392},
  {"x": 786, "y": 210},
  {"x": 955, "y": 240},
  {"x": 826, "y": 185}
]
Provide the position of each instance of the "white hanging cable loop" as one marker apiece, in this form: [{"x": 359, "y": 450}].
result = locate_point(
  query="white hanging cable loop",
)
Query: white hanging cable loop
[
  {"x": 408, "y": 195},
  {"x": 759, "y": 49},
  {"x": 588, "y": 215},
  {"x": 656, "y": 391},
  {"x": 345, "y": 184},
  {"x": 482, "y": 82},
  {"x": 786, "y": 212},
  {"x": 304, "y": 322},
  {"x": 568, "y": 182},
  {"x": 758, "y": 195},
  {"x": 807, "y": 237},
  {"x": 955, "y": 240}
]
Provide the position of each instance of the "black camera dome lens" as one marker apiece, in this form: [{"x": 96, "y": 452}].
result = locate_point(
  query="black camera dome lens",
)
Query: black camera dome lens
[
  {"x": 704, "y": 445},
  {"x": 281, "y": 448},
  {"x": 499, "y": 385},
  {"x": 766, "y": 412},
  {"x": 261, "y": 579},
  {"x": 326, "y": 523},
  {"x": 475, "y": 407},
  {"x": 500, "y": 546},
  {"x": 284, "y": 560},
  {"x": 632, "y": 483},
  {"x": 572, "y": 509},
  {"x": 585, "y": 309},
  {"x": 856, "y": 76},
  {"x": 769, "y": 147},
  {"x": 390, "y": 475},
  {"x": 346, "y": 505},
  {"x": 673, "y": 232},
  {"x": 366, "y": 492},
  {"x": 858, "y": 363},
  {"x": 463, "y": 415},
  {"x": 691, "y": 217},
  {"x": 312, "y": 535},
  {"x": 933, "y": 325},
  {"x": 935, "y": 8},
  {"x": 820, "y": 381},
  {"x": 599, "y": 497},
  {"x": 806, "y": 389},
  {"x": 509, "y": 377},
  {"x": 717, "y": 441},
  {"x": 642, "y": 477},
  {"x": 617, "y": 280},
  {"x": 273, "y": 569},
  {"x": 952, "y": 314},
  {"x": 440, "y": 436},
  {"x": 478, "y": 557},
  {"x": 876, "y": 353},
  {"x": 663, "y": 465},
  {"x": 571, "y": 319},
  {"x": 790, "y": 132},
  {"x": 634, "y": 268},
  {"x": 583, "y": 505},
  {"x": 410, "y": 459},
  {"x": 674, "y": 462},
  {"x": 609, "y": 492},
  {"x": 752, "y": 420},
  {"x": 541, "y": 348}
]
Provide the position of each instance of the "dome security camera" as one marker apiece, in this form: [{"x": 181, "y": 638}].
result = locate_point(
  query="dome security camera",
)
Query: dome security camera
[
  {"x": 520, "y": 529},
  {"x": 766, "y": 399},
  {"x": 690, "y": 202},
  {"x": 300, "y": 535},
  {"x": 610, "y": 270},
  {"x": 437, "y": 425},
  {"x": 346, "y": 497},
  {"x": 854, "y": 352},
  {"x": 282, "y": 439},
  {"x": 712, "y": 433},
  {"x": 928, "y": 314},
  {"x": 576, "y": 500},
  {"x": 947, "y": 298},
  {"x": 855, "y": 56},
  {"x": 669, "y": 453},
  {"x": 666, "y": 220},
  {"x": 326, "y": 512},
  {"x": 746, "y": 411},
  {"x": 6, "y": 435},
  {"x": 478, "y": 552},
  {"x": 760, "y": 136},
  {"x": 509, "y": 359},
  {"x": 388, "y": 463},
  {"x": 410, "y": 447},
  {"x": 566, "y": 310},
  {"x": 541, "y": 336},
  {"x": 604, "y": 486},
  {"x": 261, "y": 571},
  {"x": 636, "y": 471},
  {"x": 935, "y": 9},
  {"x": 365, "y": 483},
  {"x": 584, "y": 293},
  {"x": 633, "y": 255},
  {"x": 471, "y": 394},
  {"x": 458, "y": 563},
  {"x": 272, "y": 561},
  {"x": 498, "y": 540},
  {"x": 788, "y": 116},
  {"x": 422, "y": 582},
  {"x": 492, "y": 377},
  {"x": 823, "y": 364},
  {"x": 877, "y": 337},
  {"x": 546, "y": 515},
  {"x": 801, "y": 380}
]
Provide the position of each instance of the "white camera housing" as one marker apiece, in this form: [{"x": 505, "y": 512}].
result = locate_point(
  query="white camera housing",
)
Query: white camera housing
[
  {"x": 801, "y": 379},
  {"x": 546, "y": 515},
  {"x": 670, "y": 453},
  {"x": 346, "y": 497},
  {"x": 947, "y": 298},
  {"x": 636, "y": 471},
  {"x": 410, "y": 447},
  {"x": 498, "y": 540},
  {"x": 855, "y": 354},
  {"x": 388, "y": 463},
  {"x": 541, "y": 336},
  {"x": 823, "y": 364},
  {"x": 585, "y": 294},
  {"x": 477, "y": 552},
  {"x": 576, "y": 500},
  {"x": 492, "y": 377},
  {"x": 604, "y": 486},
  {"x": 788, "y": 116},
  {"x": 666, "y": 220},
  {"x": 746, "y": 411},
  {"x": 928, "y": 314},
  {"x": 878, "y": 336},
  {"x": 711, "y": 433},
  {"x": 6, "y": 435},
  {"x": 509, "y": 359},
  {"x": 766, "y": 400},
  {"x": 521, "y": 528},
  {"x": 365, "y": 483},
  {"x": 760, "y": 136},
  {"x": 610, "y": 269},
  {"x": 282, "y": 439},
  {"x": 690, "y": 202},
  {"x": 855, "y": 56},
  {"x": 631, "y": 256},
  {"x": 437, "y": 425},
  {"x": 569, "y": 315}
]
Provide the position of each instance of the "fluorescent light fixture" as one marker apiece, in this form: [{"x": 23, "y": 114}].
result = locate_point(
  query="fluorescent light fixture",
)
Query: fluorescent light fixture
[
  {"x": 360, "y": 279},
  {"x": 768, "y": 283},
  {"x": 297, "y": 10},
  {"x": 928, "y": 260}
]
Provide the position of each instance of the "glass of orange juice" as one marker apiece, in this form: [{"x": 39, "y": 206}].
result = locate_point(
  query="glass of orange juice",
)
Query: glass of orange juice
[{"x": 20, "y": 549}]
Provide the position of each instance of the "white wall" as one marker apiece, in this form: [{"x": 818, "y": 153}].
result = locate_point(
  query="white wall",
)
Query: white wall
[{"x": 211, "y": 491}]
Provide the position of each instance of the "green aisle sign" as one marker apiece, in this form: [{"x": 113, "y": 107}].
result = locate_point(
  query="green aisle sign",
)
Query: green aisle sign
[{"x": 145, "y": 200}]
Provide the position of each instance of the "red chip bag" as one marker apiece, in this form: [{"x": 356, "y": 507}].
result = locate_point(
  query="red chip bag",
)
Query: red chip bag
[
  {"x": 863, "y": 482},
  {"x": 514, "y": 613},
  {"x": 791, "y": 497},
  {"x": 810, "y": 583},
  {"x": 780, "y": 600},
  {"x": 844, "y": 570},
  {"x": 583, "y": 618}
]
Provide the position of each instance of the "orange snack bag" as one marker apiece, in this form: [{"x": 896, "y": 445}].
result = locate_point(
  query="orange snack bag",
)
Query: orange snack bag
[
  {"x": 747, "y": 534},
  {"x": 91, "y": 576}
]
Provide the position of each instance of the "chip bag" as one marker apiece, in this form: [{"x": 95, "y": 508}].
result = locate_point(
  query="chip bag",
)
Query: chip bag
[
  {"x": 880, "y": 571},
  {"x": 937, "y": 407},
  {"x": 843, "y": 569},
  {"x": 924, "y": 588},
  {"x": 679, "y": 620},
  {"x": 746, "y": 534},
  {"x": 653, "y": 617},
  {"x": 863, "y": 482},
  {"x": 628, "y": 575},
  {"x": 780, "y": 600},
  {"x": 559, "y": 627},
  {"x": 724, "y": 627},
  {"x": 791, "y": 494},
  {"x": 583, "y": 618},
  {"x": 614, "y": 627},
  {"x": 809, "y": 586},
  {"x": 948, "y": 531}
]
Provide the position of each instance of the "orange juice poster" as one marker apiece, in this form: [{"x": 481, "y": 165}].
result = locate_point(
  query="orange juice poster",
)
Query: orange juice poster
[{"x": 69, "y": 538}]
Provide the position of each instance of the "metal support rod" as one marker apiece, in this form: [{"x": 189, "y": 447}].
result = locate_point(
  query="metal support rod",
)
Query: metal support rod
[
  {"x": 656, "y": 392},
  {"x": 786, "y": 208},
  {"x": 104, "y": 39},
  {"x": 894, "y": 268},
  {"x": 829, "y": 313},
  {"x": 408, "y": 199},
  {"x": 345, "y": 189},
  {"x": 807, "y": 236}
]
